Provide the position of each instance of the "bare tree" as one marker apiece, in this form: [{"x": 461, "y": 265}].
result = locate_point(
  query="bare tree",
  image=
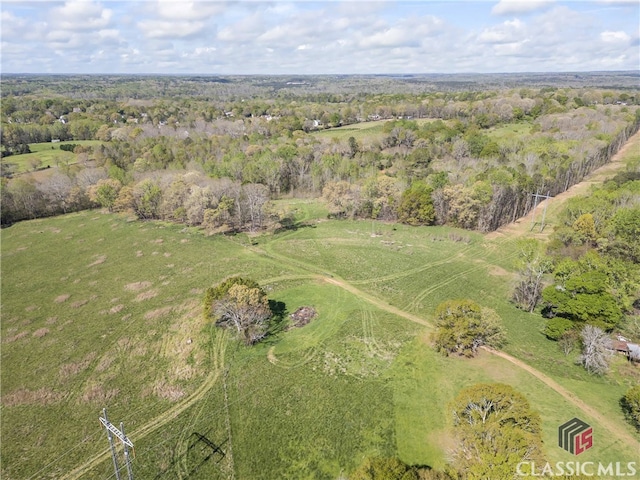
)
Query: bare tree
[
  {"x": 597, "y": 350},
  {"x": 533, "y": 267},
  {"x": 568, "y": 341},
  {"x": 56, "y": 190},
  {"x": 255, "y": 195},
  {"x": 91, "y": 176},
  {"x": 246, "y": 309},
  {"x": 27, "y": 199}
]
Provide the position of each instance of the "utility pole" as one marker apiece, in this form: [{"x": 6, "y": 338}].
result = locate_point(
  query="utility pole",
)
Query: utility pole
[{"x": 111, "y": 431}]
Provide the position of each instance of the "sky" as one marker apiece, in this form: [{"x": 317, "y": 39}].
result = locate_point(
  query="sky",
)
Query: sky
[{"x": 310, "y": 37}]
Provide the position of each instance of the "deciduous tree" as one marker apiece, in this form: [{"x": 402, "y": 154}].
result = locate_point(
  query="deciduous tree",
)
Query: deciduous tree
[
  {"x": 416, "y": 205},
  {"x": 495, "y": 429},
  {"x": 463, "y": 326},
  {"x": 147, "y": 197},
  {"x": 343, "y": 199},
  {"x": 584, "y": 298},
  {"x": 380, "y": 468},
  {"x": 241, "y": 304},
  {"x": 105, "y": 192},
  {"x": 533, "y": 265},
  {"x": 631, "y": 405}
]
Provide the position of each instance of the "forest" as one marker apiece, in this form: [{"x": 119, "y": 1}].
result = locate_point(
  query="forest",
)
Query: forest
[{"x": 214, "y": 151}]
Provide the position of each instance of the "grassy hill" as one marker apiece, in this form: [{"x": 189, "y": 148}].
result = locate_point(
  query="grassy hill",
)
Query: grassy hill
[
  {"x": 43, "y": 156},
  {"x": 100, "y": 311}
]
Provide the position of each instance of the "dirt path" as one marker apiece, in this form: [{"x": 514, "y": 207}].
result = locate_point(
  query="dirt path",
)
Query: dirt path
[
  {"x": 614, "y": 429},
  {"x": 522, "y": 226},
  {"x": 376, "y": 301},
  {"x": 165, "y": 417}
]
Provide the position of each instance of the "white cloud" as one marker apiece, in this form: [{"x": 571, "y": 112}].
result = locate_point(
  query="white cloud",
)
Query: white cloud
[
  {"x": 245, "y": 29},
  {"x": 622, "y": 3},
  {"x": 511, "y": 48},
  {"x": 177, "y": 19},
  {"x": 391, "y": 37},
  {"x": 615, "y": 37},
  {"x": 166, "y": 36},
  {"x": 274, "y": 35},
  {"x": 410, "y": 32},
  {"x": 110, "y": 33},
  {"x": 79, "y": 15},
  {"x": 186, "y": 10},
  {"x": 169, "y": 29},
  {"x": 508, "y": 7},
  {"x": 507, "y": 32}
]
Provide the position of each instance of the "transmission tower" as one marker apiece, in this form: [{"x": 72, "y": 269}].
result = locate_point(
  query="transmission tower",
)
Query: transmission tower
[
  {"x": 111, "y": 431},
  {"x": 544, "y": 212}
]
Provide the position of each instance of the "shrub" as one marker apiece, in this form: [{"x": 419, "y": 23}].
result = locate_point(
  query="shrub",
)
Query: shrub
[{"x": 556, "y": 327}]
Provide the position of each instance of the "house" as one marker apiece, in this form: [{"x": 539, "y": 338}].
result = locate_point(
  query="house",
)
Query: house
[{"x": 634, "y": 352}]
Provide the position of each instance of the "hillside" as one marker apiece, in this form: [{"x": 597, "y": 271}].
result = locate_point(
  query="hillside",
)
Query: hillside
[
  {"x": 367, "y": 200},
  {"x": 121, "y": 328}
]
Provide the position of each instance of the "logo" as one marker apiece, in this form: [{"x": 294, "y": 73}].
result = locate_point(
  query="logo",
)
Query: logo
[{"x": 575, "y": 436}]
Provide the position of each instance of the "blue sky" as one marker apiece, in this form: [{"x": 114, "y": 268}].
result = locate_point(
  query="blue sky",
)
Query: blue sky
[{"x": 306, "y": 37}]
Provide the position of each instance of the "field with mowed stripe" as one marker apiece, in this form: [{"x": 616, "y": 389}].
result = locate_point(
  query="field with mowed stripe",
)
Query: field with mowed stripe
[{"x": 101, "y": 311}]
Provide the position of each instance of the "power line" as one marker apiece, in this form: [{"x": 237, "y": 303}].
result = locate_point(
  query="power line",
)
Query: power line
[{"x": 63, "y": 455}]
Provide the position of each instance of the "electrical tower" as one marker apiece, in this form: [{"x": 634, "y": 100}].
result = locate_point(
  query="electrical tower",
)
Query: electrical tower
[
  {"x": 111, "y": 431},
  {"x": 544, "y": 213}
]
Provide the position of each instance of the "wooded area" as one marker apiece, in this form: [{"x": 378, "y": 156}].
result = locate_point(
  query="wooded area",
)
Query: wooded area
[{"x": 214, "y": 151}]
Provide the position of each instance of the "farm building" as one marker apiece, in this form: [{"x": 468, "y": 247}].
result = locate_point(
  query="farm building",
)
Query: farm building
[{"x": 626, "y": 348}]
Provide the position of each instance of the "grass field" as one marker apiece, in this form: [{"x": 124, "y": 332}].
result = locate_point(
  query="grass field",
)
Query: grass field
[
  {"x": 367, "y": 131},
  {"x": 100, "y": 311},
  {"x": 510, "y": 131},
  {"x": 48, "y": 154}
]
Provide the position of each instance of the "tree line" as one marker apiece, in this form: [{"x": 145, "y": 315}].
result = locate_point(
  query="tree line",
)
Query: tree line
[{"x": 462, "y": 167}]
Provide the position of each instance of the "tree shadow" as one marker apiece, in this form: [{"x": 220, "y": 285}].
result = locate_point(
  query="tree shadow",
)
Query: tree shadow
[
  {"x": 279, "y": 320},
  {"x": 290, "y": 225}
]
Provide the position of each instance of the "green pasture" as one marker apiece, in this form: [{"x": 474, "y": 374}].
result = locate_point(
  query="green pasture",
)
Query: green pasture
[
  {"x": 369, "y": 131},
  {"x": 359, "y": 131},
  {"x": 47, "y": 154},
  {"x": 510, "y": 131},
  {"x": 102, "y": 311}
]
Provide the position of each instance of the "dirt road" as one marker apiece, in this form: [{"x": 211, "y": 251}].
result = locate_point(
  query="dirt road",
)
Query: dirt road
[
  {"x": 570, "y": 397},
  {"x": 612, "y": 427}
]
